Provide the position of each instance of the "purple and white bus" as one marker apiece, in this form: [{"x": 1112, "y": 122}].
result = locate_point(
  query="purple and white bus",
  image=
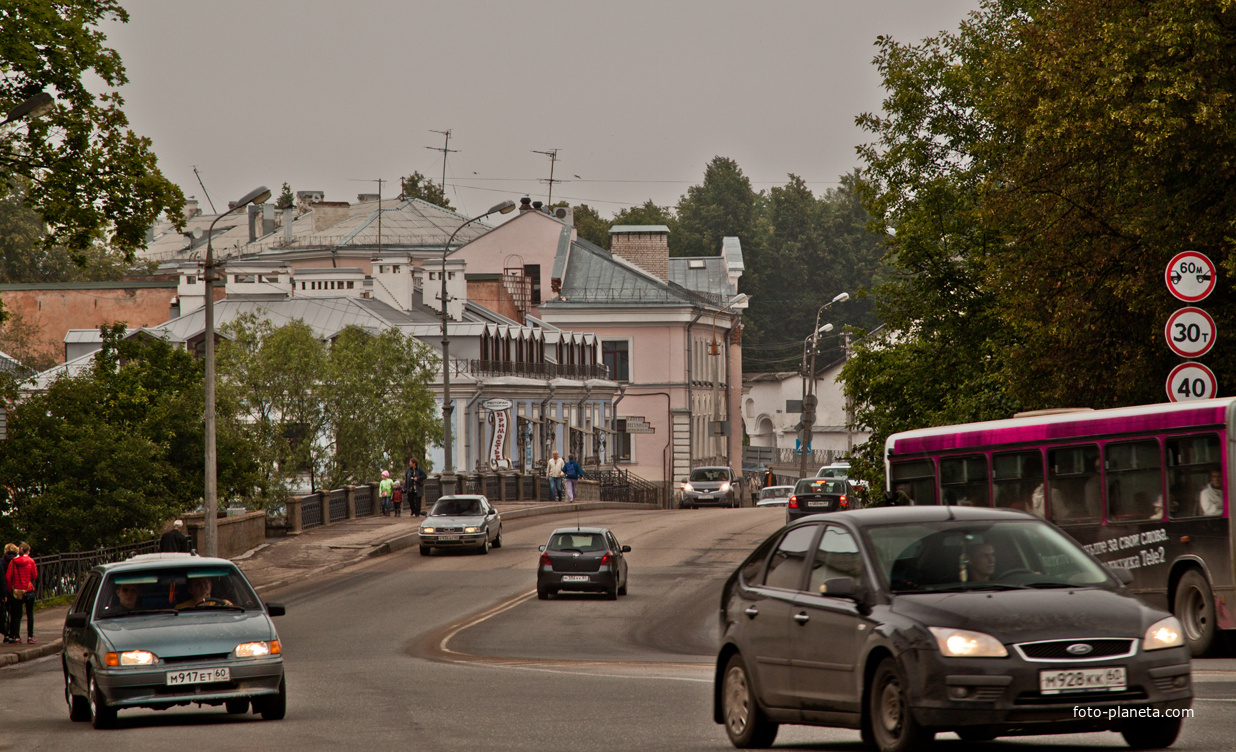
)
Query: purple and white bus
[{"x": 1103, "y": 476}]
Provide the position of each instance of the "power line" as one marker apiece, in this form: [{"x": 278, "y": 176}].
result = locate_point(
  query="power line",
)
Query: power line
[
  {"x": 553, "y": 158},
  {"x": 446, "y": 149}
]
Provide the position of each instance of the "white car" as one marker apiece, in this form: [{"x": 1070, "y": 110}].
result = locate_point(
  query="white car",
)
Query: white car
[{"x": 774, "y": 496}]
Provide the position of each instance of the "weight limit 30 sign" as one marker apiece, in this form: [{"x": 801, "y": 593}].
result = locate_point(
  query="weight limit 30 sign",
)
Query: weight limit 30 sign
[{"x": 1190, "y": 332}]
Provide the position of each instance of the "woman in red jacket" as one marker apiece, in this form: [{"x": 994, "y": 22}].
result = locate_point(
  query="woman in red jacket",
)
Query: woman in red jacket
[{"x": 20, "y": 578}]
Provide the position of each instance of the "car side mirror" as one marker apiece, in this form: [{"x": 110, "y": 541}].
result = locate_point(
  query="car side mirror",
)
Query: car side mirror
[
  {"x": 840, "y": 587},
  {"x": 276, "y": 609},
  {"x": 626, "y": 549},
  {"x": 1122, "y": 574},
  {"x": 540, "y": 548},
  {"x": 75, "y": 621}
]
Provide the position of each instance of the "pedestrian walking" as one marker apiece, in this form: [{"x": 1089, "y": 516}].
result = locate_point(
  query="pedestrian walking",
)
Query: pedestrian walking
[
  {"x": 770, "y": 480},
  {"x": 397, "y": 497},
  {"x": 21, "y": 576},
  {"x": 10, "y": 553},
  {"x": 175, "y": 541},
  {"x": 414, "y": 486},
  {"x": 553, "y": 471},
  {"x": 385, "y": 487},
  {"x": 572, "y": 472}
]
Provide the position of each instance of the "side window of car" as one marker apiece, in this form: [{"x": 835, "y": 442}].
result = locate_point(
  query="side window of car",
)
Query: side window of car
[
  {"x": 751, "y": 568},
  {"x": 81, "y": 604},
  {"x": 789, "y": 560},
  {"x": 836, "y": 556}
]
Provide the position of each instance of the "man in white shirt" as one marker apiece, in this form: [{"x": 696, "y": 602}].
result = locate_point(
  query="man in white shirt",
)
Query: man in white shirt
[
  {"x": 1210, "y": 501},
  {"x": 553, "y": 469}
]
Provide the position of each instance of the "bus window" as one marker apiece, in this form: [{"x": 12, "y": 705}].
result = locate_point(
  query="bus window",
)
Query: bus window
[
  {"x": 1190, "y": 463},
  {"x": 914, "y": 482},
  {"x": 1015, "y": 476},
  {"x": 1134, "y": 481},
  {"x": 963, "y": 481},
  {"x": 1076, "y": 484}
]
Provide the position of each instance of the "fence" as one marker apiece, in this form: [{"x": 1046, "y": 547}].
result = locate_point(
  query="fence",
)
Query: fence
[
  {"x": 63, "y": 574},
  {"x": 622, "y": 485}
]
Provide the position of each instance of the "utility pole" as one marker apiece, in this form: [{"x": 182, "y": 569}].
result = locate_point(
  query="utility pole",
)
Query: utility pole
[
  {"x": 446, "y": 149},
  {"x": 809, "y": 398},
  {"x": 553, "y": 157},
  {"x": 199, "y": 182}
]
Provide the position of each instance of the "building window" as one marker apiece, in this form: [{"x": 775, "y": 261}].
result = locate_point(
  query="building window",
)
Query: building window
[
  {"x": 382, "y": 270},
  {"x": 533, "y": 272},
  {"x": 615, "y": 354},
  {"x": 242, "y": 278},
  {"x": 395, "y": 269},
  {"x": 350, "y": 284},
  {"x": 270, "y": 278},
  {"x": 622, "y": 441},
  {"x": 190, "y": 280}
]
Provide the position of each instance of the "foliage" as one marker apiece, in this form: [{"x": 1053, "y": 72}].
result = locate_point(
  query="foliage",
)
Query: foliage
[
  {"x": 724, "y": 205},
  {"x": 647, "y": 213},
  {"x": 285, "y": 199},
  {"x": 20, "y": 340},
  {"x": 588, "y": 224},
  {"x": 106, "y": 457},
  {"x": 91, "y": 179},
  {"x": 417, "y": 185}
]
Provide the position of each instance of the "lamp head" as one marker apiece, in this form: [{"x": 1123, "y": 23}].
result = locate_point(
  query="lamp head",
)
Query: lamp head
[
  {"x": 841, "y": 297},
  {"x": 259, "y": 195},
  {"x": 825, "y": 328},
  {"x": 37, "y": 106},
  {"x": 506, "y": 207}
]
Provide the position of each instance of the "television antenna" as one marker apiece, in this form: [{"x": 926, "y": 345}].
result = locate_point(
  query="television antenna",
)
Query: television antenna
[{"x": 553, "y": 157}]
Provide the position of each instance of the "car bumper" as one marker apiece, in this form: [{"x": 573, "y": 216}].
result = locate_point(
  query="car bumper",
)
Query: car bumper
[
  {"x": 461, "y": 540},
  {"x": 598, "y": 582},
  {"x": 1003, "y": 693},
  {"x": 148, "y": 687},
  {"x": 707, "y": 500}
]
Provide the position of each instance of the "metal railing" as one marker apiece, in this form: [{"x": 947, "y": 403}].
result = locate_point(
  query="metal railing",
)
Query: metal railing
[
  {"x": 63, "y": 574},
  {"x": 537, "y": 370},
  {"x": 311, "y": 511},
  {"x": 338, "y": 504},
  {"x": 363, "y": 496},
  {"x": 624, "y": 486}
]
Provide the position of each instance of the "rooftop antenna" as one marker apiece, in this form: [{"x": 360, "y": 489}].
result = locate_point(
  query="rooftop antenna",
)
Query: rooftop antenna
[
  {"x": 446, "y": 149},
  {"x": 199, "y": 182},
  {"x": 553, "y": 157}
]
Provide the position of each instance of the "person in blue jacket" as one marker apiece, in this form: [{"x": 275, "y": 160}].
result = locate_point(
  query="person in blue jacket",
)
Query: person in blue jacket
[{"x": 573, "y": 473}]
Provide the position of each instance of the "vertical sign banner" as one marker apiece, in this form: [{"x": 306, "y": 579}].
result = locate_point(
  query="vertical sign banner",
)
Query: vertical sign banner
[
  {"x": 499, "y": 418},
  {"x": 1190, "y": 331}
]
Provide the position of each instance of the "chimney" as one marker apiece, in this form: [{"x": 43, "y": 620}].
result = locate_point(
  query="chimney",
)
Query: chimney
[
  {"x": 268, "y": 218},
  {"x": 646, "y": 246},
  {"x": 173, "y": 310},
  {"x": 329, "y": 213},
  {"x": 255, "y": 213},
  {"x": 537, "y": 205},
  {"x": 287, "y": 225},
  {"x": 525, "y": 204},
  {"x": 362, "y": 198},
  {"x": 191, "y": 209}
]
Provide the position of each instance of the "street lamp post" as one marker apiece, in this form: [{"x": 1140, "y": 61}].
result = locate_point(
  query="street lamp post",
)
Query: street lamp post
[
  {"x": 211, "y": 506},
  {"x": 716, "y": 374},
  {"x": 448, "y": 467},
  {"x": 809, "y": 399}
]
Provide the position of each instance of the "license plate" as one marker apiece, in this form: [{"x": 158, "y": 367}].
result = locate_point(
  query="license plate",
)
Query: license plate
[
  {"x": 817, "y": 503},
  {"x": 448, "y": 538},
  {"x": 707, "y": 497},
  {"x": 574, "y": 578},
  {"x": 1083, "y": 680},
  {"x": 194, "y": 676}
]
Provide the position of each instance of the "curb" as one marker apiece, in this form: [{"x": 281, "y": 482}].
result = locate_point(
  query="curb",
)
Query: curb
[
  {"x": 407, "y": 540},
  {"x": 30, "y": 654}
]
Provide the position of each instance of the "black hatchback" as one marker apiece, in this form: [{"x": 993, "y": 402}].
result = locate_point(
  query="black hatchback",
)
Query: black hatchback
[
  {"x": 818, "y": 495},
  {"x": 587, "y": 559},
  {"x": 906, "y": 621}
]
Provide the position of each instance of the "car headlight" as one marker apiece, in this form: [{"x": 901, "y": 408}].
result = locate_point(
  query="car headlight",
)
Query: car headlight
[
  {"x": 472, "y": 530},
  {"x": 426, "y": 530},
  {"x": 130, "y": 658},
  {"x": 962, "y": 643},
  {"x": 257, "y": 649},
  {"x": 1165, "y": 633},
  {"x": 725, "y": 488},
  {"x": 687, "y": 488}
]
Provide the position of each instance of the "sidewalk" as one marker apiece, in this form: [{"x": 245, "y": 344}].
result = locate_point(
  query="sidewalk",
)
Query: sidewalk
[{"x": 283, "y": 561}]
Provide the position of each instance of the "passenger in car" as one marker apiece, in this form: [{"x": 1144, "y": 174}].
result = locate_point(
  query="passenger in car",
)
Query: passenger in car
[{"x": 200, "y": 593}]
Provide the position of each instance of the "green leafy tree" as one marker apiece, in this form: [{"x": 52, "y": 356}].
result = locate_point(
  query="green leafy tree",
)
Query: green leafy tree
[
  {"x": 646, "y": 213},
  {"x": 724, "y": 205},
  {"x": 588, "y": 224},
  {"x": 417, "y": 185},
  {"x": 285, "y": 199}
]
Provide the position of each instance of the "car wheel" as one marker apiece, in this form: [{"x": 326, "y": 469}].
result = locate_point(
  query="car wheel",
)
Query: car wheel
[
  {"x": 1156, "y": 733},
  {"x": 102, "y": 715},
  {"x": 273, "y": 708},
  {"x": 424, "y": 550},
  {"x": 612, "y": 593},
  {"x": 1195, "y": 607},
  {"x": 79, "y": 707},
  {"x": 236, "y": 707},
  {"x": 892, "y": 724},
  {"x": 623, "y": 589},
  {"x": 976, "y": 734},
  {"x": 484, "y": 549},
  {"x": 498, "y": 540},
  {"x": 542, "y": 593},
  {"x": 745, "y": 723}
]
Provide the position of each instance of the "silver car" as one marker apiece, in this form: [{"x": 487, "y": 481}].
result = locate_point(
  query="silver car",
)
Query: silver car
[{"x": 461, "y": 521}]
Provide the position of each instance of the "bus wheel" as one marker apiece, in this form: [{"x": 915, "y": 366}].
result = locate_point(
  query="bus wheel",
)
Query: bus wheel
[{"x": 1195, "y": 607}]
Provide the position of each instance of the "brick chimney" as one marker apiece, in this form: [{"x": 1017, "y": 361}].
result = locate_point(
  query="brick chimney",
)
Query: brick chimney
[
  {"x": 329, "y": 213},
  {"x": 646, "y": 246}
]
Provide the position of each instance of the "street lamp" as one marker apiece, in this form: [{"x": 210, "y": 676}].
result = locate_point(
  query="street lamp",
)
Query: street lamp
[
  {"x": 211, "y": 530},
  {"x": 715, "y": 350},
  {"x": 37, "y": 106},
  {"x": 809, "y": 399},
  {"x": 448, "y": 466}
]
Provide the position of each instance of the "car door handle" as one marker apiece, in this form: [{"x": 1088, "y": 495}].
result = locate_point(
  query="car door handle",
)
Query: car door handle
[
  {"x": 801, "y": 617},
  {"x": 752, "y": 611}
]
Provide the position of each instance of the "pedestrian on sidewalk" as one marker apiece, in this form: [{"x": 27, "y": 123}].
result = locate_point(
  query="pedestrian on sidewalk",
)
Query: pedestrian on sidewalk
[
  {"x": 175, "y": 541},
  {"x": 384, "y": 492},
  {"x": 414, "y": 486},
  {"x": 553, "y": 470},
  {"x": 397, "y": 498},
  {"x": 572, "y": 472},
  {"x": 21, "y": 577},
  {"x": 10, "y": 553}
]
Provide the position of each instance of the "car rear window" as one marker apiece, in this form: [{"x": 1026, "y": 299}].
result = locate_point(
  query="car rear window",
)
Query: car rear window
[
  {"x": 577, "y": 542},
  {"x": 820, "y": 485},
  {"x": 710, "y": 474},
  {"x": 775, "y": 492}
]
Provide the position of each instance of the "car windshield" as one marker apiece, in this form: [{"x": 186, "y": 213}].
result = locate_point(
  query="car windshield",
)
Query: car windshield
[
  {"x": 960, "y": 555},
  {"x": 174, "y": 590},
  {"x": 820, "y": 486},
  {"x": 577, "y": 542},
  {"x": 456, "y": 508},
  {"x": 709, "y": 475},
  {"x": 773, "y": 492},
  {"x": 833, "y": 472}
]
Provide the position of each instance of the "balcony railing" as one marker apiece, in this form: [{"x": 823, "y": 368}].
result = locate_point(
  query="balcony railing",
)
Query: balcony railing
[{"x": 535, "y": 370}]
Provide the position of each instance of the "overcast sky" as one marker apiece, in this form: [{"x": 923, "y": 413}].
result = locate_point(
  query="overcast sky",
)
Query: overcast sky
[{"x": 636, "y": 97}]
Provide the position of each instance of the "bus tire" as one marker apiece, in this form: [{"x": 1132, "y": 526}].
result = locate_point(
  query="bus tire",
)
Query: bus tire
[{"x": 1194, "y": 606}]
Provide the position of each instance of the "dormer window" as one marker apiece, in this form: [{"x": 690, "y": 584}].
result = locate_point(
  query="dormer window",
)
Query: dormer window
[
  {"x": 242, "y": 278},
  {"x": 695, "y": 263},
  {"x": 190, "y": 280}
]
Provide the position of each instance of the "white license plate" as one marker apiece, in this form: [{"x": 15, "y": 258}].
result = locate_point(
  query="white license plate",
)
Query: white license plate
[
  {"x": 817, "y": 503},
  {"x": 574, "y": 578},
  {"x": 448, "y": 537},
  {"x": 1110, "y": 679},
  {"x": 195, "y": 676}
]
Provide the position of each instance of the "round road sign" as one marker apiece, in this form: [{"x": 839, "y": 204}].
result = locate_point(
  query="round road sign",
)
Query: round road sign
[
  {"x": 1191, "y": 381},
  {"x": 1190, "y": 332},
  {"x": 1190, "y": 276}
]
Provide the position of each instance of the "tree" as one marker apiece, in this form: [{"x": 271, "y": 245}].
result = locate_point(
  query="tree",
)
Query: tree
[
  {"x": 646, "y": 213},
  {"x": 286, "y": 199},
  {"x": 588, "y": 223},
  {"x": 417, "y": 185},
  {"x": 724, "y": 205},
  {"x": 90, "y": 178}
]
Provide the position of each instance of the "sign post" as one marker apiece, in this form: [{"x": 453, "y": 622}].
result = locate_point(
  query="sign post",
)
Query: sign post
[{"x": 1190, "y": 332}]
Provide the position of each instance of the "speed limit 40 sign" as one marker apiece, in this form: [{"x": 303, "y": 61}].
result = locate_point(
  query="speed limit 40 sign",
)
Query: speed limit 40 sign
[
  {"x": 1191, "y": 381},
  {"x": 1190, "y": 332},
  {"x": 1190, "y": 276}
]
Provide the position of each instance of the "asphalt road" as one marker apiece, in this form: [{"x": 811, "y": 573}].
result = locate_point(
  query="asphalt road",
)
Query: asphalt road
[{"x": 455, "y": 652}]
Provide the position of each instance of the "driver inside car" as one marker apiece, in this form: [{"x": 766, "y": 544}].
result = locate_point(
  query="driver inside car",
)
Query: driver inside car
[
  {"x": 980, "y": 562},
  {"x": 200, "y": 593}
]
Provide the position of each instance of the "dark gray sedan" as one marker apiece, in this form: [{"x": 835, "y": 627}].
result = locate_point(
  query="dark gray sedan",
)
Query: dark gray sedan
[
  {"x": 462, "y": 521},
  {"x": 587, "y": 559},
  {"x": 162, "y": 630}
]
